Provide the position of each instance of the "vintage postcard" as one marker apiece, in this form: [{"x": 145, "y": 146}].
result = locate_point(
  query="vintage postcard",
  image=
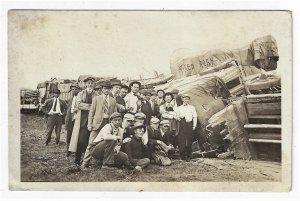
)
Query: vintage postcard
[{"x": 150, "y": 100}]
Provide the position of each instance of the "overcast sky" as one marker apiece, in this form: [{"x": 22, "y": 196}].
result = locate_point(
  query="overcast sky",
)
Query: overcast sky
[{"x": 45, "y": 44}]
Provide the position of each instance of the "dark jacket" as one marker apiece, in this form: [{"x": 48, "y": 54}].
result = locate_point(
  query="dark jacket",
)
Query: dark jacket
[
  {"x": 155, "y": 135},
  {"x": 69, "y": 116},
  {"x": 135, "y": 149},
  {"x": 155, "y": 110},
  {"x": 48, "y": 105},
  {"x": 146, "y": 109},
  {"x": 178, "y": 101}
]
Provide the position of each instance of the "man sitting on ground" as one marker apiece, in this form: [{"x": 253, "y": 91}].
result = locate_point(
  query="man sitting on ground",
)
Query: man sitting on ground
[{"x": 137, "y": 152}]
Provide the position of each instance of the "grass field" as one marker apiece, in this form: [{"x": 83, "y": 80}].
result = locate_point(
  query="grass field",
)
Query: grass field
[{"x": 49, "y": 163}]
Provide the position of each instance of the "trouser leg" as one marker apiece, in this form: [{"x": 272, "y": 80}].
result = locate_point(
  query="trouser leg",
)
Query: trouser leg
[
  {"x": 109, "y": 148},
  {"x": 121, "y": 159},
  {"x": 82, "y": 143},
  {"x": 87, "y": 155},
  {"x": 143, "y": 162},
  {"x": 50, "y": 127},
  {"x": 58, "y": 128}
]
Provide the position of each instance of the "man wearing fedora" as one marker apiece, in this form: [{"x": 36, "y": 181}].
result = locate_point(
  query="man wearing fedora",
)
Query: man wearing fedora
[
  {"x": 102, "y": 107},
  {"x": 131, "y": 99},
  {"x": 72, "y": 109},
  {"x": 98, "y": 88},
  {"x": 115, "y": 88},
  {"x": 54, "y": 108},
  {"x": 80, "y": 134}
]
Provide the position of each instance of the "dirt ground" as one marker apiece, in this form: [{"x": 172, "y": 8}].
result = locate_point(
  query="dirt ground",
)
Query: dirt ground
[{"x": 49, "y": 163}]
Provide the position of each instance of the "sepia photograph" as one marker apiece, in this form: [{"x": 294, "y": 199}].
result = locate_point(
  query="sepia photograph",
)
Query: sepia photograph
[{"x": 136, "y": 97}]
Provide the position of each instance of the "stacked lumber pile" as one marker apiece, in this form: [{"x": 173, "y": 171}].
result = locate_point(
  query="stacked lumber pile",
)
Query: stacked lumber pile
[
  {"x": 228, "y": 124},
  {"x": 264, "y": 113}
]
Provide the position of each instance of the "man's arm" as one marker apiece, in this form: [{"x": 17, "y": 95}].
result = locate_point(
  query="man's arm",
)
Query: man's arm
[
  {"x": 80, "y": 104},
  {"x": 92, "y": 113}
]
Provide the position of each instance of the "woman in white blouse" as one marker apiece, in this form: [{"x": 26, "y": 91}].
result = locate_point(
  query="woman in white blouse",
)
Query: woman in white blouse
[{"x": 187, "y": 117}]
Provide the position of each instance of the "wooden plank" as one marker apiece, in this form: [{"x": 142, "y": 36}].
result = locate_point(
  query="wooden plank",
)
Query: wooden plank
[
  {"x": 264, "y": 108},
  {"x": 270, "y": 136},
  {"x": 255, "y": 96},
  {"x": 253, "y": 126},
  {"x": 265, "y": 141},
  {"x": 264, "y": 116}
]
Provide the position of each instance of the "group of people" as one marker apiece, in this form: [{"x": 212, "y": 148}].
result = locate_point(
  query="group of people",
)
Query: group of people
[{"x": 122, "y": 126}]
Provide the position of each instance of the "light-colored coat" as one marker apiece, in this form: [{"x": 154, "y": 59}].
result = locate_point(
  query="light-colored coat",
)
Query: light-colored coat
[
  {"x": 80, "y": 105},
  {"x": 97, "y": 111}
]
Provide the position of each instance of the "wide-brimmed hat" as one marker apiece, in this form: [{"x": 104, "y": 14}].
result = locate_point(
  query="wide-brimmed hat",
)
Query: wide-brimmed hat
[
  {"x": 169, "y": 94},
  {"x": 135, "y": 82},
  {"x": 89, "y": 78},
  {"x": 115, "y": 83},
  {"x": 138, "y": 125},
  {"x": 106, "y": 84},
  {"x": 115, "y": 115}
]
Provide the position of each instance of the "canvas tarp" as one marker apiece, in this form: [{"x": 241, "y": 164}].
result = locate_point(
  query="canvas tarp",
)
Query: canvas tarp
[
  {"x": 206, "y": 94},
  {"x": 261, "y": 52}
]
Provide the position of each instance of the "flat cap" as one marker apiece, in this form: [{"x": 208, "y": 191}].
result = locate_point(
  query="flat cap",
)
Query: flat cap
[
  {"x": 154, "y": 120},
  {"x": 89, "y": 78},
  {"x": 74, "y": 85},
  {"x": 129, "y": 116},
  {"x": 115, "y": 115},
  {"x": 153, "y": 92},
  {"x": 138, "y": 125},
  {"x": 140, "y": 115},
  {"x": 175, "y": 91},
  {"x": 125, "y": 86},
  {"x": 185, "y": 96},
  {"x": 98, "y": 86},
  {"x": 164, "y": 122}
]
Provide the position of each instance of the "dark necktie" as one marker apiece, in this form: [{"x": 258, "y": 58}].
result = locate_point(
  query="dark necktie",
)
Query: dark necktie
[{"x": 54, "y": 109}]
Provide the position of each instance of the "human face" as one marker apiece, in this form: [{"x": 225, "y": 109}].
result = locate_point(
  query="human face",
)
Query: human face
[
  {"x": 74, "y": 91},
  {"x": 164, "y": 127},
  {"x": 175, "y": 95},
  {"x": 135, "y": 88},
  {"x": 154, "y": 126},
  {"x": 130, "y": 123},
  {"x": 116, "y": 89},
  {"x": 153, "y": 97},
  {"x": 186, "y": 100},
  {"x": 123, "y": 92},
  {"x": 89, "y": 84},
  {"x": 160, "y": 94},
  {"x": 148, "y": 97},
  {"x": 139, "y": 132},
  {"x": 168, "y": 98},
  {"x": 117, "y": 122},
  {"x": 56, "y": 95},
  {"x": 139, "y": 120},
  {"x": 98, "y": 91},
  {"x": 105, "y": 90}
]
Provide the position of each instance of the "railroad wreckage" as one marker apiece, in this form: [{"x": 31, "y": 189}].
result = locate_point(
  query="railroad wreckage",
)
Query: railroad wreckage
[{"x": 237, "y": 95}]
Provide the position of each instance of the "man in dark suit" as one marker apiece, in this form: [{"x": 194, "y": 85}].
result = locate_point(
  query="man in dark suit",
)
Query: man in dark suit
[
  {"x": 54, "y": 108},
  {"x": 154, "y": 105},
  {"x": 177, "y": 99},
  {"x": 102, "y": 107},
  {"x": 146, "y": 106}
]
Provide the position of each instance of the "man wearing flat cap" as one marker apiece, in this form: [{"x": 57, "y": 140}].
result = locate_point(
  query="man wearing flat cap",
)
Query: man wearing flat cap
[
  {"x": 54, "y": 108},
  {"x": 102, "y": 107},
  {"x": 128, "y": 122},
  {"x": 131, "y": 99},
  {"x": 107, "y": 144},
  {"x": 80, "y": 134},
  {"x": 72, "y": 109},
  {"x": 120, "y": 99},
  {"x": 98, "y": 88},
  {"x": 137, "y": 152},
  {"x": 116, "y": 88}
]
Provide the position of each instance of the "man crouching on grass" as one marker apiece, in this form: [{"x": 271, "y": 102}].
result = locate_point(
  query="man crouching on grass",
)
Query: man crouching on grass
[{"x": 107, "y": 144}]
